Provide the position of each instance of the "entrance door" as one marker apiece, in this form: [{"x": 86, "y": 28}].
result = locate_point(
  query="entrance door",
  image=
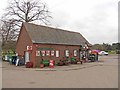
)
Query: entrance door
[{"x": 27, "y": 57}]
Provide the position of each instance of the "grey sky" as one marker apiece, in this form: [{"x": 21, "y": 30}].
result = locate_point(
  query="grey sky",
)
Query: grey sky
[{"x": 96, "y": 20}]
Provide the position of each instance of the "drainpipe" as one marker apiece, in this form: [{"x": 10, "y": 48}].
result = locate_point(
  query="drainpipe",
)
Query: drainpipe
[{"x": 79, "y": 52}]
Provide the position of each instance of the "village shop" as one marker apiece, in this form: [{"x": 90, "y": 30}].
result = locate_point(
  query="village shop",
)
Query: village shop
[{"x": 36, "y": 43}]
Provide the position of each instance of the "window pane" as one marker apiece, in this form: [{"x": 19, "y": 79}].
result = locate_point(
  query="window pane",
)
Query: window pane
[
  {"x": 52, "y": 53},
  {"x": 37, "y": 53},
  {"x": 67, "y": 53},
  {"x": 57, "y": 53},
  {"x": 47, "y": 53},
  {"x": 43, "y": 53},
  {"x": 75, "y": 52}
]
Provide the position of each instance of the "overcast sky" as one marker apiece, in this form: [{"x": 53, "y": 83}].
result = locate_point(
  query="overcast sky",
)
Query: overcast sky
[{"x": 96, "y": 20}]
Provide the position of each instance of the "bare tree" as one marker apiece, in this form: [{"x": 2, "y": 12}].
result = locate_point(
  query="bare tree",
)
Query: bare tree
[
  {"x": 28, "y": 11},
  {"x": 8, "y": 31},
  {"x": 19, "y": 11}
]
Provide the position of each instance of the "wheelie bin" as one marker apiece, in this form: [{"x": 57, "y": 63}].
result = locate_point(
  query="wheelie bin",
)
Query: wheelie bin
[
  {"x": 14, "y": 59},
  {"x": 73, "y": 61},
  {"x": 45, "y": 62}
]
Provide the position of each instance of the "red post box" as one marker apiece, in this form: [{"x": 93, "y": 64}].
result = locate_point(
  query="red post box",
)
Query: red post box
[{"x": 51, "y": 64}]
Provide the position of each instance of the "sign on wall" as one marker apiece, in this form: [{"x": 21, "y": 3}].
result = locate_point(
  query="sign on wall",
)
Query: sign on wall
[{"x": 29, "y": 47}]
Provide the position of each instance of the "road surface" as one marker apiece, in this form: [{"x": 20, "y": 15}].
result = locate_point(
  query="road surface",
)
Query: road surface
[{"x": 103, "y": 74}]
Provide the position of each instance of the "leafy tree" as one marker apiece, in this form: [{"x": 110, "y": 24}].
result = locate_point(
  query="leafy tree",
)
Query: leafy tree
[
  {"x": 103, "y": 46},
  {"x": 116, "y": 46},
  {"x": 107, "y": 47},
  {"x": 9, "y": 45}
]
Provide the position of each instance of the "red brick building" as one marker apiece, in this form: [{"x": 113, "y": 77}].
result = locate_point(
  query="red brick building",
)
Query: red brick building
[{"x": 36, "y": 42}]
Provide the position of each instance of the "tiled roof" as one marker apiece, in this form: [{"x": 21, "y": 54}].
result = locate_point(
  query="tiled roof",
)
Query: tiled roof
[{"x": 48, "y": 35}]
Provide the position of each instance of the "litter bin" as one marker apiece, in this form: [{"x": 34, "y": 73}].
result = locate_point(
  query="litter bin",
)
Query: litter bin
[
  {"x": 73, "y": 61},
  {"x": 45, "y": 62}
]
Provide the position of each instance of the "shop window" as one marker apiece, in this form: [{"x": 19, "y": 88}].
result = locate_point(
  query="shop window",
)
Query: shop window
[
  {"x": 57, "y": 53},
  {"x": 75, "y": 53},
  {"x": 37, "y": 53},
  {"x": 47, "y": 53},
  {"x": 43, "y": 53},
  {"x": 52, "y": 53},
  {"x": 67, "y": 52}
]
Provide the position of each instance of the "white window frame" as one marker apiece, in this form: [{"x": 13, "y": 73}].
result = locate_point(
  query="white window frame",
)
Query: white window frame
[
  {"x": 37, "y": 53},
  {"x": 75, "y": 53},
  {"x": 47, "y": 52},
  {"x": 67, "y": 53},
  {"x": 57, "y": 53},
  {"x": 43, "y": 54},
  {"x": 52, "y": 53}
]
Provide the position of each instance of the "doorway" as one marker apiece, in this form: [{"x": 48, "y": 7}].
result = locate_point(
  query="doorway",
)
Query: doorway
[{"x": 27, "y": 57}]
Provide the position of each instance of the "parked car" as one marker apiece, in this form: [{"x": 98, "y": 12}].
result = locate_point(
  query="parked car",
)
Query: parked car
[{"x": 103, "y": 53}]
